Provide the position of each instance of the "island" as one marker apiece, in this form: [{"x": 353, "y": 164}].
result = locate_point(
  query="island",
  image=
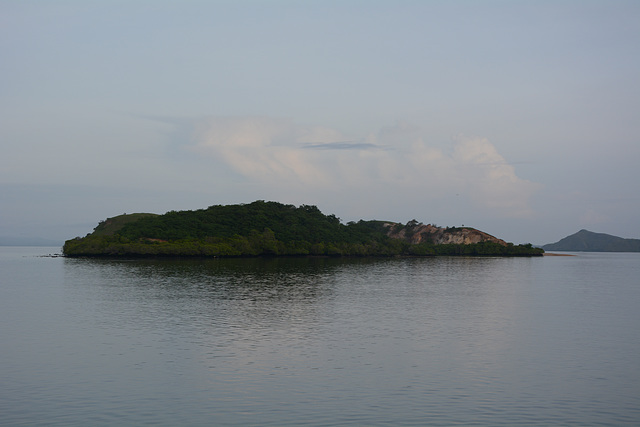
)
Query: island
[
  {"x": 274, "y": 229},
  {"x": 588, "y": 241}
]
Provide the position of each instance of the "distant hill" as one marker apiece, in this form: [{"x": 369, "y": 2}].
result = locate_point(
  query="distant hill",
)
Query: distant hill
[
  {"x": 274, "y": 229},
  {"x": 587, "y": 241}
]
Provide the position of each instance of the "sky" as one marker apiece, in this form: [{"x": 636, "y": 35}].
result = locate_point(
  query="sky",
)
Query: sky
[{"x": 518, "y": 118}]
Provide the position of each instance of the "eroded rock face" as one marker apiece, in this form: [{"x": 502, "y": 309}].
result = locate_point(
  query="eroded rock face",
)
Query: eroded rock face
[{"x": 414, "y": 232}]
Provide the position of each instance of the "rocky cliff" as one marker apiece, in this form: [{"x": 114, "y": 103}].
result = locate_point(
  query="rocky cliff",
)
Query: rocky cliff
[{"x": 416, "y": 232}]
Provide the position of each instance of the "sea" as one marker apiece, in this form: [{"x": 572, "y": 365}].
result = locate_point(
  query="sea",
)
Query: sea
[{"x": 443, "y": 341}]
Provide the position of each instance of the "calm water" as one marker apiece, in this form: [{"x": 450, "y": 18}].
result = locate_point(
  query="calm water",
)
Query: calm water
[{"x": 445, "y": 341}]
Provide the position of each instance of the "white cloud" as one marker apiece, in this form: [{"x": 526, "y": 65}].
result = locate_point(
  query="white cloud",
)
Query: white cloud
[
  {"x": 290, "y": 157},
  {"x": 264, "y": 148},
  {"x": 492, "y": 182}
]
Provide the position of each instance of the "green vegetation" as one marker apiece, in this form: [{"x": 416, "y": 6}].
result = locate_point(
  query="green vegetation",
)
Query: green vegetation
[
  {"x": 111, "y": 225},
  {"x": 259, "y": 229}
]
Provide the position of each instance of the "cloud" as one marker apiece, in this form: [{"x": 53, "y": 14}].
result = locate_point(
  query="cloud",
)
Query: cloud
[
  {"x": 490, "y": 180},
  {"x": 346, "y": 145},
  {"x": 395, "y": 161}
]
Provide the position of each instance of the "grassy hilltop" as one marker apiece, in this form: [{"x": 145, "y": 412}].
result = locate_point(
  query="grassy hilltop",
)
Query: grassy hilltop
[{"x": 266, "y": 229}]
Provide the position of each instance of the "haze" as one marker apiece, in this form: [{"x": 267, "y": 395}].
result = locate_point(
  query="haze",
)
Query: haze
[{"x": 518, "y": 118}]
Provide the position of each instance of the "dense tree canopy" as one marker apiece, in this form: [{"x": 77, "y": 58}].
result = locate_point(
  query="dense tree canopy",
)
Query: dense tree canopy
[{"x": 258, "y": 228}]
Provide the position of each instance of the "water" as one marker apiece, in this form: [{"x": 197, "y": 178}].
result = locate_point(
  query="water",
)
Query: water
[{"x": 444, "y": 341}]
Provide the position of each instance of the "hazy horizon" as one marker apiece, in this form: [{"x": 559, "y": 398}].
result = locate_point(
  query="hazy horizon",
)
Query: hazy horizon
[{"x": 517, "y": 118}]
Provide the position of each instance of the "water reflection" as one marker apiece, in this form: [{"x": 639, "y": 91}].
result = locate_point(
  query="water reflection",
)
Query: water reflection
[
  {"x": 307, "y": 292},
  {"x": 293, "y": 280},
  {"x": 363, "y": 341}
]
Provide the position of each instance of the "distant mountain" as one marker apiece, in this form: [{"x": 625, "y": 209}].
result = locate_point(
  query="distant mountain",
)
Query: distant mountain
[{"x": 587, "y": 241}]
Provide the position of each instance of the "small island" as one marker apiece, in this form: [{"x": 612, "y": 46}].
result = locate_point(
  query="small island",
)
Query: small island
[{"x": 275, "y": 229}]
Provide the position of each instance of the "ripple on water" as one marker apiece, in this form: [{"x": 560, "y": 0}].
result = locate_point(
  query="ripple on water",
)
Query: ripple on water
[{"x": 440, "y": 341}]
